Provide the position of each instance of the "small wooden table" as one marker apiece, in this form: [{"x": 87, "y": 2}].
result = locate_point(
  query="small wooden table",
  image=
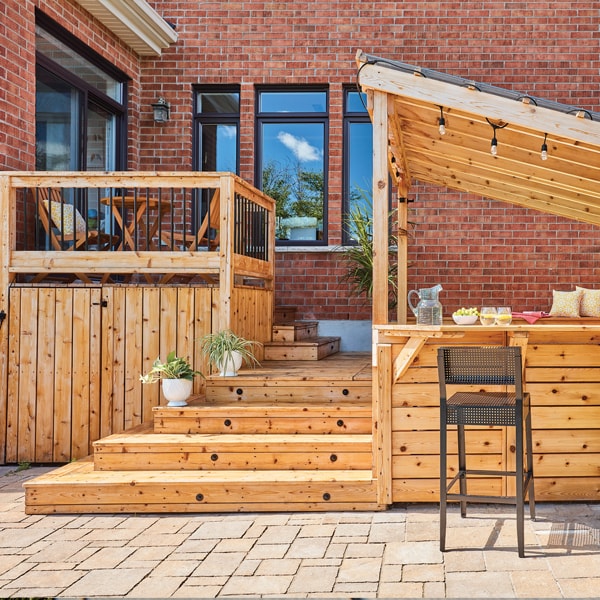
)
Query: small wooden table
[{"x": 140, "y": 205}]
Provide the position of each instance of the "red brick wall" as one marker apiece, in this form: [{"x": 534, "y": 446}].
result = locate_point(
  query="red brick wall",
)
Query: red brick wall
[{"x": 492, "y": 253}]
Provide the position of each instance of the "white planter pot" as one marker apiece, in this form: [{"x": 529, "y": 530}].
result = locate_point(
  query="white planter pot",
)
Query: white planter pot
[
  {"x": 231, "y": 366},
  {"x": 177, "y": 391}
]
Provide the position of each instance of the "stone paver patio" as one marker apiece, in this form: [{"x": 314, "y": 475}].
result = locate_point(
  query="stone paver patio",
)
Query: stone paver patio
[{"x": 391, "y": 554}]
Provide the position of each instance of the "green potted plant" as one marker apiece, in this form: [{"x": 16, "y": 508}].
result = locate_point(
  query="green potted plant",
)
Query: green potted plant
[
  {"x": 176, "y": 376},
  {"x": 226, "y": 351}
]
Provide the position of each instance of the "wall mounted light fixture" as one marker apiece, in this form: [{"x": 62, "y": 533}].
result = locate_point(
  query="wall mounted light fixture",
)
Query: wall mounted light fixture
[
  {"x": 494, "y": 144},
  {"x": 162, "y": 110},
  {"x": 544, "y": 150},
  {"x": 442, "y": 122}
]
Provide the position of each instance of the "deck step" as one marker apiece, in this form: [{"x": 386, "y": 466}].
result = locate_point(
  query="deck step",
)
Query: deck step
[
  {"x": 78, "y": 488},
  {"x": 273, "y": 417},
  {"x": 198, "y": 451},
  {"x": 284, "y": 313},
  {"x": 313, "y": 349},
  {"x": 294, "y": 331}
]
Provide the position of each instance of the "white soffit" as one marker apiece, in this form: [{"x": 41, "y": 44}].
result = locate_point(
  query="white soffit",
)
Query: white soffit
[{"x": 135, "y": 22}]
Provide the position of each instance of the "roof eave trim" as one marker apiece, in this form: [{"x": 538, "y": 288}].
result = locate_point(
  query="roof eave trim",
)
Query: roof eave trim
[{"x": 134, "y": 22}]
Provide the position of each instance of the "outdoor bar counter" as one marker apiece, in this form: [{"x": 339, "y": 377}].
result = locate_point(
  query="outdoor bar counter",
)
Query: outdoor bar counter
[{"x": 561, "y": 372}]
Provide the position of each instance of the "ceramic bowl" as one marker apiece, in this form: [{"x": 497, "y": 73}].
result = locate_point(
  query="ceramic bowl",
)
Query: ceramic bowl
[{"x": 465, "y": 319}]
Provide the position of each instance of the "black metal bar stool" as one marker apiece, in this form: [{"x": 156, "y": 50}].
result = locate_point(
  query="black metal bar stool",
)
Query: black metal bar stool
[{"x": 485, "y": 366}]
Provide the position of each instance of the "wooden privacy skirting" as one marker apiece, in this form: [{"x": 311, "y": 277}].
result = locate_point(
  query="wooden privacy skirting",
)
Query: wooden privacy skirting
[
  {"x": 75, "y": 355},
  {"x": 562, "y": 374}
]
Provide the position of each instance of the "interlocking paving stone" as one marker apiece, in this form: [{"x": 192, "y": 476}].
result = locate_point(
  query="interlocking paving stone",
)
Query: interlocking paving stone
[
  {"x": 580, "y": 588},
  {"x": 284, "y": 566},
  {"x": 218, "y": 530},
  {"x": 106, "y": 582},
  {"x": 359, "y": 570},
  {"x": 156, "y": 587},
  {"x": 308, "y": 548},
  {"x": 314, "y": 579},
  {"x": 265, "y": 584},
  {"x": 219, "y": 564},
  {"x": 479, "y": 585},
  {"x": 533, "y": 584},
  {"x": 399, "y": 553}
]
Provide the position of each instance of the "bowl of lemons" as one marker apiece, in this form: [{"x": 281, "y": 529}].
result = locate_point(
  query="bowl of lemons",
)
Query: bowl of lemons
[{"x": 465, "y": 316}]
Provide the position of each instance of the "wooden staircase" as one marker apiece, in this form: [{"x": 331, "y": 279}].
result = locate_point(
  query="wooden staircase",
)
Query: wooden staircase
[
  {"x": 294, "y": 339},
  {"x": 289, "y": 436}
]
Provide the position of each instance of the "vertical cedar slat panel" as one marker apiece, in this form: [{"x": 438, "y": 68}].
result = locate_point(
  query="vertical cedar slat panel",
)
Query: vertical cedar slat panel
[
  {"x": 168, "y": 324},
  {"x": 12, "y": 413},
  {"x": 73, "y": 365},
  {"x": 80, "y": 410},
  {"x": 202, "y": 326},
  {"x": 150, "y": 347},
  {"x": 133, "y": 336},
  {"x": 27, "y": 373},
  {"x": 63, "y": 379},
  {"x": 186, "y": 338},
  {"x": 95, "y": 368},
  {"x": 119, "y": 356},
  {"x": 44, "y": 432},
  {"x": 107, "y": 388}
]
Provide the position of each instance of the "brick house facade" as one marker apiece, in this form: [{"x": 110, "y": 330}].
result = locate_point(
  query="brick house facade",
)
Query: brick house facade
[{"x": 481, "y": 251}]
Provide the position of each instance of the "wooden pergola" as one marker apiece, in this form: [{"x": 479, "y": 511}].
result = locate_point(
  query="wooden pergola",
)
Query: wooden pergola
[{"x": 406, "y": 104}]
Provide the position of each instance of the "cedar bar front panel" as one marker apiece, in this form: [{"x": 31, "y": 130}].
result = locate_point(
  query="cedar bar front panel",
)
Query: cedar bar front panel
[{"x": 562, "y": 373}]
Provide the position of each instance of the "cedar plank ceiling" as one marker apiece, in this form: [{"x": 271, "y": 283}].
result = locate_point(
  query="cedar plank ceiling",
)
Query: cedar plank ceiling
[{"x": 566, "y": 184}]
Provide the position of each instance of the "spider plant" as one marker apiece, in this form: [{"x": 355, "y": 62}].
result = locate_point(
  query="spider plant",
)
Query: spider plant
[
  {"x": 175, "y": 367},
  {"x": 218, "y": 348}
]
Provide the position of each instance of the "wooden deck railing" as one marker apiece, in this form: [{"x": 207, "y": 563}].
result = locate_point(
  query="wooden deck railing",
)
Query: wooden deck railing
[{"x": 154, "y": 224}]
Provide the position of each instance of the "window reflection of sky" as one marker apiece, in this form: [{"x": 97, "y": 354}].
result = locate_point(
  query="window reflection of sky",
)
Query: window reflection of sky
[{"x": 293, "y": 146}]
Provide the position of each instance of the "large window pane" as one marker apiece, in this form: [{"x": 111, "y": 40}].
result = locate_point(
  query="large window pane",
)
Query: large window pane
[
  {"x": 218, "y": 147},
  {"x": 56, "y": 122},
  {"x": 358, "y": 162},
  {"x": 293, "y": 161}
]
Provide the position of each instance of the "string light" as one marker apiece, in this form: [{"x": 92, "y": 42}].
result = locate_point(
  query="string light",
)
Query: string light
[
  {"x": 494, "y": 144},
  {"x": 442, "y": 122},
  {"x": 544, "y": 152}
]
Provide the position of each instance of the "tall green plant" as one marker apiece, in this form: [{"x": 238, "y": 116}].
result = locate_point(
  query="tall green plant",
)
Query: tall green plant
[{"x": 359, "y": 257}]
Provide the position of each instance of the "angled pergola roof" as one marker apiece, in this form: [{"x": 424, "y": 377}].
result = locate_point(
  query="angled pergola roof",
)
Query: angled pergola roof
[{"x": 566, "y": 184}]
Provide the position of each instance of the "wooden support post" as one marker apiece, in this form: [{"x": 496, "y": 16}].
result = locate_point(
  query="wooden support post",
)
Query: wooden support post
[
  {"x": 7, "y": 244},
  {"x": 382, "y": 423},
  {"x": 380, "y": 208},
  {"x": 226, "y": 256}
]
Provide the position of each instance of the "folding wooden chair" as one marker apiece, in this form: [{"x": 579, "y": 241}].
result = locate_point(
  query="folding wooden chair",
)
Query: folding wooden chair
[
  {"x": 203, "y": 238},
  {"x": 67, "y": 229},
  {"x": 65, "y": 226}
]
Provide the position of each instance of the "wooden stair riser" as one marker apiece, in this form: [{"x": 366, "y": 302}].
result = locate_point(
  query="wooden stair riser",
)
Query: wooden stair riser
[
  {"x": 314, "y": 349},
  {"x": 249, "y": 425},
  {"x": 295, "y": 331},
  {"x": 284, "y": 314},
  {"x": 262, "y": 461},
  {"x": 123, "y": 452},
  {"x": 302, "y": 392},
  {"x": 85, "y": 490}
]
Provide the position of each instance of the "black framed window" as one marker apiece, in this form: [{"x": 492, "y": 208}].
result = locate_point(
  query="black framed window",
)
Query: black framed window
[
  {"x": 292, "y": 132},
  {"x": 80, "y": 104},
  {"x": 358, "y": 160},
  {"x": 216, "y": 128}
]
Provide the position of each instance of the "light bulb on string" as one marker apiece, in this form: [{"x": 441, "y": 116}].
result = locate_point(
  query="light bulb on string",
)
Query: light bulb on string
[
  {"x": 494, "y": 147},
  {"x": 544, "y": 151},
  {"x": 442, "y": 122}
]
